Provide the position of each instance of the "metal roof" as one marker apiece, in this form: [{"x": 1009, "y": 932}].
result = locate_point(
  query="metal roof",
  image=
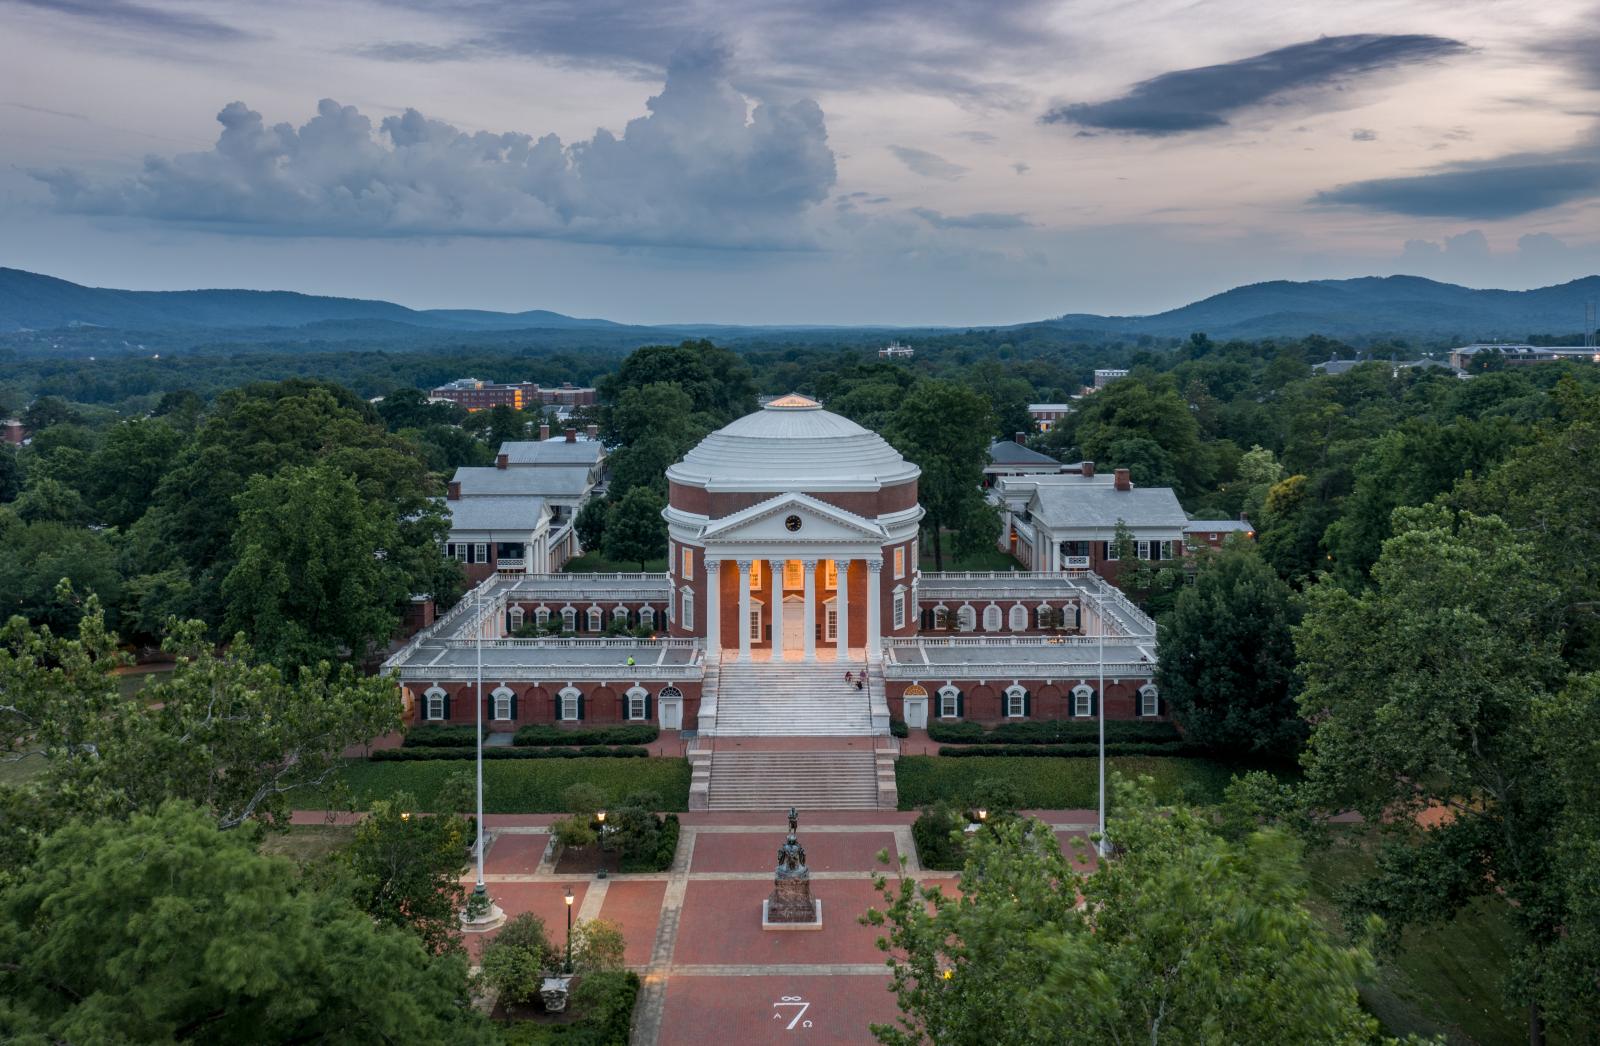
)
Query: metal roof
[
  {"x": 1102, "y": 507},
  {"x": 522, "y": 514},
  {"x": 554, "y": 451},
  {"x": 1010, "y": 452},
  {"x": 488, "y": 481}
]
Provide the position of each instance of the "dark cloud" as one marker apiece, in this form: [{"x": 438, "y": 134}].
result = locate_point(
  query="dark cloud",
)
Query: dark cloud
[
  {"x": 122, "y": 14},
  {"x": 1021, "y": 167},
  {"x": 967, "y": 50},
  {"x": 929, "y": 165},
  {"x": 1363, "y": 134},
  {"x": 700, "y": 169},
  {"x": 1201, "y": 98},
  {"x": 980, "y": 220},
  {"x": 1480, "y": 190}
]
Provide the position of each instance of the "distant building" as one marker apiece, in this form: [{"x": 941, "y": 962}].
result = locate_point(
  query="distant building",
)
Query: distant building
[
  {"x": 895, "y": 350},
  {"x": 1522, "y": 355},
  {"x": 1045, "y": 415},
  {"x": 1106, "y": 375},
  {"x": 12, "y": 432},
  {"x": 1396, "y": 366},
  {"x": 1012, "y": 457},
  {"x": 1213, "y": 532},
  {"x": 475, "y": 394}
]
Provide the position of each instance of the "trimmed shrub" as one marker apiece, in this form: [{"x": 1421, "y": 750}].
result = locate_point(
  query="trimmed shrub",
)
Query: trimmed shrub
[
  {"x": 412, "y": 755},
  {"x": 510, "y": 786},
  {"x": 1059, "y": 784},
  {"x": 1076, "y": 750},
  {"x": 898, "y": 728},
  {"x": 633, "y": 734},
  {"x": 1055, "y": 732},
  {"x": 440, "y": 737},
  {"x": 935, "y": 832}
]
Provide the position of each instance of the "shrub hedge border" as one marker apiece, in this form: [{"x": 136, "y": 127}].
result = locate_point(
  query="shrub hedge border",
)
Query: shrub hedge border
[
  {"x": 541, "y": 734},
  {"x": 410, "y": 755}
]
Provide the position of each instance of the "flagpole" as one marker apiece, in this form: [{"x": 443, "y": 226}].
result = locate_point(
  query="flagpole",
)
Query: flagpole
[
  {"x": 1103, "y": 846},
  {"x": 482, "y": 889}
]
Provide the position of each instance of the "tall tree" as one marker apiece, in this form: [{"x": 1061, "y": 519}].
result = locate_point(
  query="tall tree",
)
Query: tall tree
[
  {"x": 128, "y": 467},
  {"x": 1425, "y": 695},
  {"x": 946, "y": 429},
  {"x": 163, "y": 929},
  {"x": 635, "y": 531},
  {"x": 719, "y": 382},
  {"x": 1187, "y": 936},
  {"x": 1227, "y": 656},
  {"x": 318, "y": 569},
  {"x": 405, "y": 870}
]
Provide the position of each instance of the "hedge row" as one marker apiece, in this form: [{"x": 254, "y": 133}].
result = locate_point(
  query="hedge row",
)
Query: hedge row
[
  {"x": 666, "y": 849},
  {"x": 440, "y": 737},
  {"x": 1057, "y": 784},
  {"x": 898, "y": 728},
  {"x": 636, "y": 734},
  {"x": 1054, "y": 732},
  {"x": 1181, "y": 748},
  {"x": 411, "y": 755},
  {"x": 510, "y": 786}
]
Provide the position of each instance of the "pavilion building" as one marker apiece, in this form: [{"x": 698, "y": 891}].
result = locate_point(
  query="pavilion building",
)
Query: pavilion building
[{"x": 793, "y": 560}]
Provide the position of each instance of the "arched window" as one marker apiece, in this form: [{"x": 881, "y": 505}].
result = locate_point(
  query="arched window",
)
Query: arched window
[
  {"x": 941, "y": 617},
  {"x": 671, "y": 693},
  {"x": 1149, "y": 700},
  {"x": 1082, "y": 700},
  {"x": 569, "y": 619},
  {"x": 1016, "y": 700},
  {"x": 434, "y": 704},
  {"x": 966, "y": 619},
  {"x": 597, "y": 620},
  {"x": 571, "y": 704},
  {"x": 1019, "y": 618},
  {"x": 1044, "y": 617},
  {"x": 541, "y": 616},
  {"x": 516, "y": 618},
  {"x": 619, "y": 614},
  {"x": 638, "y": 703},
  {"x": 647, "y": 617},
  {"x": 503, "y": 704},
  {"x": 991, "y": 618},
  {"x": 949, "y": 702}
]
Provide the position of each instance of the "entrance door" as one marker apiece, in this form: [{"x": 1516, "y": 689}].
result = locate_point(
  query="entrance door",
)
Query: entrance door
[
  {"x": 669, "y": 706},
  {"x": 794, "y": 627},
  {"x": 917, "y": 713}
]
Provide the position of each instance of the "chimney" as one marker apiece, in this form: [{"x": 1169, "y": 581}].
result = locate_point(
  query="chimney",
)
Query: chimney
[
  {"x": 1122, "y": 481},
  {"x": 544, "y": 431},
  {"x": 502, "y": 460},
  {"x": 594, "y": 431},
  {"x": 1087, "y": 468},
  {"x": 455, "y": 490},
  {"x": 572, "y": 435},
  {"x": 1020, "y": 437}
]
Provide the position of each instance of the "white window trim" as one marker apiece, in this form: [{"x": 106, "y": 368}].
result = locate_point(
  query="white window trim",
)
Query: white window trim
[
  {"x": 966, "y": 618},
  {"x": 688, "y": 608},
  {"x": 647, "y": 617},
  {"x": 500, "y": 694},
  {"x": 569, "y": 704},
  {"x": 433, "y": 696},
  {"x": 993, "y": 620},
  {"x": 949, "y": 698},
  {"x": 1082, "y": 698},
  {"x": 480, "y": 552},
  {"x": 541, "y": 616},
  {"x": 1143, "y": 547},
  {"x": 596, "y": 619},
  {"x": 619, "y": 614},
  {"x": 1149, "y": 700},
  {"x": 1018, "y": 618},
  {"x": 636, "y": 698},
  {"x": 900, "y": 609},
  {"x": 758, "y": 619},
  {"x": 569, "y": 619},
  {"x": 1111, "y": 551},
  {"x": 830, "y": 620},
  {"x": 1016, "y": 698}
]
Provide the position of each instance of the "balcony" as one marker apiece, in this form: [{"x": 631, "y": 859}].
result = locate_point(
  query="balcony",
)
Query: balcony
[
  {"x": 510, "y": 565},
  {"x": 1075, "y": 562}
]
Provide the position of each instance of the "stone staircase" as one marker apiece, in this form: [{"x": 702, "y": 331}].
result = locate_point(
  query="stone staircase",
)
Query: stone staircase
[
  {"x": 790, "y": 699},
  {"x": 822, "y": 779}
]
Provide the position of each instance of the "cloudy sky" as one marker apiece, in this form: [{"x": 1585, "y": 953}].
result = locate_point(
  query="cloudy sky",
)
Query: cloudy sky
[{"x": 778, "y": 161}]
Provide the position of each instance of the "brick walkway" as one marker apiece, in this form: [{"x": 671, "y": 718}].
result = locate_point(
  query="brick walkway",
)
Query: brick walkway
[{"x": 711, "y": 975}]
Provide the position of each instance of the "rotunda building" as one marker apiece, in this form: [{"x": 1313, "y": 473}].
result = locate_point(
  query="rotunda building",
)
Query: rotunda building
[{"x": 792, "y": 535}]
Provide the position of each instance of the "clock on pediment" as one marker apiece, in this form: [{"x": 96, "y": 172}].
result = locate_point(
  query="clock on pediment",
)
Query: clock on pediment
[{"x": 793, "y": 523}]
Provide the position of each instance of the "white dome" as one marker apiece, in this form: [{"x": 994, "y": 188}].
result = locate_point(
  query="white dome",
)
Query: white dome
[{"x": 792, "y": 444}]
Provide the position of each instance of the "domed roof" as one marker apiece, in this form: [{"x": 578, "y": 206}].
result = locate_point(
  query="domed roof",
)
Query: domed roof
[{"x": 793, "y": 444}]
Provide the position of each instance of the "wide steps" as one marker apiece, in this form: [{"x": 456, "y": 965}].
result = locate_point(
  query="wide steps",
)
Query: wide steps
[
  {"x": 769, "y": 699},
  {"x": 821, "y": 780}
]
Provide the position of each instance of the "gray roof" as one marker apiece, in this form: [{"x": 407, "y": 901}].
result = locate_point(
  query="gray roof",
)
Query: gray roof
[
  {"x": 1010, "y": 452},
  {"x": 477, "y": 482},
  {"x": 495, "y": 513},
  {"x": 554, "y": 451},
  {"x": 1102, "y": 507},
  {"x": 1218, "y": 525}
]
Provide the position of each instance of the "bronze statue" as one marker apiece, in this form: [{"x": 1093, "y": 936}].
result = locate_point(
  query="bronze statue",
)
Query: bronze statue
[{"x": 791, "y": 897}]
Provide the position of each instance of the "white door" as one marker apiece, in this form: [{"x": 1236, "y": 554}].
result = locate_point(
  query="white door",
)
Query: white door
[
  {"x": 671, "y": 714},
  {"x": 794, "y": 627},
  {"x": 917, "y": 713}
]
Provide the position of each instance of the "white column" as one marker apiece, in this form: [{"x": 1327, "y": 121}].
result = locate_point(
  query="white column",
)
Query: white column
[
  {"x": 775, "y": 612},
  {"x": 713, "y": 568},
  {"x": 874, "y": 589},
  {"x": 810, "y": 633},
  {"x": 841, "y": 602},
  {"x": 744, "y": 610}
]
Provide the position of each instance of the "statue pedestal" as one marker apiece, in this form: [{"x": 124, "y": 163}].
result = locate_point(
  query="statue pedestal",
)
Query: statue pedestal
[{"x": 813, "y": 920}]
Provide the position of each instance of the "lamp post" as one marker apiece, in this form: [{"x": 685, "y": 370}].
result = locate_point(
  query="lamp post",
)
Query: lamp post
[
  {"x": 567, "y": 966},
  {"x": 1103, "y": 846},
  {"x": 601, "y": 817}
]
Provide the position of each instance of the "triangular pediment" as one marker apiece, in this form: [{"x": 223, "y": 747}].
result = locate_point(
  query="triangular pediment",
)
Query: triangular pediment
[{"x": 796, "y": 518}]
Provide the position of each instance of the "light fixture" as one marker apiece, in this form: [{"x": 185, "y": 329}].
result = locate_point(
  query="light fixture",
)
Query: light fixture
[
  {"x": 983, "y": 815},
  {"x": 601, "y": 817},
  {"x": 405, "y": 815},
  {"x": 569, "y": 897}
]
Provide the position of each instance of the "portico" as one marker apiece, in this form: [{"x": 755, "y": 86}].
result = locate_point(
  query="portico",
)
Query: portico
[{"x": 792, "y": 609}]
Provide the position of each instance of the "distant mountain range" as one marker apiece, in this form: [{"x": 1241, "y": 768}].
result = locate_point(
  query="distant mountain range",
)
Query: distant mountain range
[
  {"x": 1354, "y": 309},
  {"x": 1363, "y": 308}
]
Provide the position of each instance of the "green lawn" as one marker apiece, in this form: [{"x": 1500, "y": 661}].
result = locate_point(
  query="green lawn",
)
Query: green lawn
[
  {"x": 1057, "y": 783},
  {"x": 514, "y": 786},
  {"x": 1443, "y": 980},
  {"x": 306, "y": 843},
  {"x": 595, "y": 563}
]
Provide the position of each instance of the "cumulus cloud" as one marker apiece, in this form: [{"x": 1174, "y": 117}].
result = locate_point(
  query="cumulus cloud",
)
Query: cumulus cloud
[
  {"x": 1480, "y": 190},
  {"x": 929, "y": 165},
  {"x": 1201, "y": 98},
  {"x": 700, "y": 169},
  {"x": 978, "y": 220}
]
